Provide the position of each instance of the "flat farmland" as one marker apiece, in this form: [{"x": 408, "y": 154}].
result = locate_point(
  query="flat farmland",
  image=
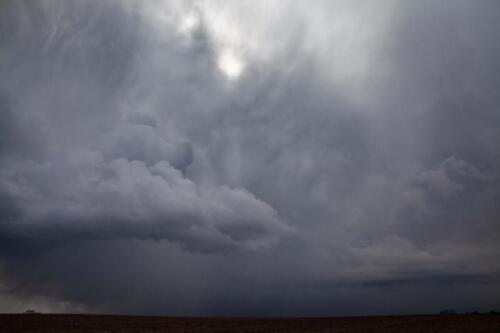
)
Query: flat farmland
[{"x": 113, "y": 323}]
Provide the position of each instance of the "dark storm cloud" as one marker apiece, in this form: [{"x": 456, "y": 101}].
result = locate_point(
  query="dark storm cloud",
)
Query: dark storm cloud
[
  {"x": 103, "y": 176},
  {"x": 153, "y": 161}
]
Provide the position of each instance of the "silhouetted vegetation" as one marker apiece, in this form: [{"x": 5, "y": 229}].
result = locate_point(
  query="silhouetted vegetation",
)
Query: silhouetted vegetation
[{"x": 448, "y": 312}]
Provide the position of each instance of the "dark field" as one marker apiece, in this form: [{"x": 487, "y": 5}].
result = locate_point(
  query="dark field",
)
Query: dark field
[{"x": 108, "y": 323}]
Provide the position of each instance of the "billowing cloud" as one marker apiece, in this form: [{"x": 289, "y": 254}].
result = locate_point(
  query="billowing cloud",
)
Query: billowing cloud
[
  {"x": 116, "y": 171},
  {"x": 249, "y": 157}
]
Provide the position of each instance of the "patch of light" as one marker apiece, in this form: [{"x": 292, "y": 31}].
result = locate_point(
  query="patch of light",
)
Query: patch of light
[
  {"x": 234, "y": 46},
  {"x": 341, "y": 37},
  {"x": 188, "y": 23},
  {"x": 230, "y": 65}
]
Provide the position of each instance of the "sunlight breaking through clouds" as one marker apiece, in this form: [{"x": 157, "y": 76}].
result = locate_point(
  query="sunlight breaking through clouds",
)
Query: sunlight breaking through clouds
[{"x": 230, "y": 65}]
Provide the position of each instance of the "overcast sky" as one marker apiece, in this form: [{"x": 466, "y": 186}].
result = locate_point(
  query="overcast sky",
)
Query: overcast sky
[{"x": 265, "y": 157}]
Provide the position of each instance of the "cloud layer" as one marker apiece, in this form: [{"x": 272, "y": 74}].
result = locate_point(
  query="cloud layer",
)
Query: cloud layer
[{"x": 268, "y": 158}]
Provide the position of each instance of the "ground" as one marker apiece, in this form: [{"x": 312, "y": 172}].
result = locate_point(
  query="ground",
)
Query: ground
[{"x": 109, "y": 323}]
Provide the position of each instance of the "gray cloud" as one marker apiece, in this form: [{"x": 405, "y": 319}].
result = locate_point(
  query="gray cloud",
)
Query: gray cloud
[{"x": 249, "y": 159}]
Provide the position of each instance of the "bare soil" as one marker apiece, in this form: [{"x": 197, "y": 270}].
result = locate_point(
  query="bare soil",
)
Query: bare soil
[{"x": 50, "y": 323}]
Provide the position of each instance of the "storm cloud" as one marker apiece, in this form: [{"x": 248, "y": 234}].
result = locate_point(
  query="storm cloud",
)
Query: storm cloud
[{"x": 249, "y": 158}]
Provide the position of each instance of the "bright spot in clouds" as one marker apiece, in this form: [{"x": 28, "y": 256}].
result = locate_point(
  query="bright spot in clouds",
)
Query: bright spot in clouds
[
  {"x": 230, "y": 65},
  {"x": 189, "y": 22}
]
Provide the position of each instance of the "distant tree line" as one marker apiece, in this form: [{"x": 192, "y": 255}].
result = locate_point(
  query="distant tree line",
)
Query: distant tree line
[{"x": 448, "y": 312}]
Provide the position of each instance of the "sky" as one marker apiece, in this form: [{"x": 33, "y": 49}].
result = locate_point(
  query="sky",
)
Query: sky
[{"x": 249, "y": 158}]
